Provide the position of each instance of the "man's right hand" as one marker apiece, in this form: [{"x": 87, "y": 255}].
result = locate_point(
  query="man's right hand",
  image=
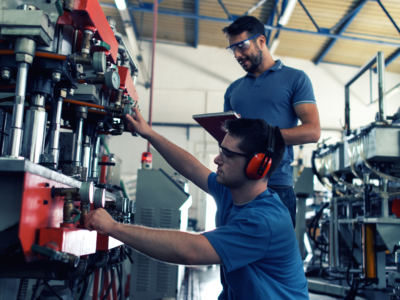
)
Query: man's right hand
[{"x": 136, "y": 123}]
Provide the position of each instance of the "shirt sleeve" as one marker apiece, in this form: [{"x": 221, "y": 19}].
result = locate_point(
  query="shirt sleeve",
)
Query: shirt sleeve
[
  {"x": 303, "y": 90},
  {"x": 244, "y": 240}
]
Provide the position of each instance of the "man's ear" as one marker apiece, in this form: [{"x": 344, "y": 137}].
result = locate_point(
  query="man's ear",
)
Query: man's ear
[{"x": 262, "y": 42}]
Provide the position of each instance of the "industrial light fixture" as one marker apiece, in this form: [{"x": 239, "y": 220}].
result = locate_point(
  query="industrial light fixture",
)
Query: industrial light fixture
[
  {"x": 288, "y": 13},
  {"x": 121, "y": 5},
  {"x": 274, "y": 46}
]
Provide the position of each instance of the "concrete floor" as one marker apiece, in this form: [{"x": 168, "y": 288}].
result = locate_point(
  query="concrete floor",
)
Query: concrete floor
[{"x": 210, "y": 286}]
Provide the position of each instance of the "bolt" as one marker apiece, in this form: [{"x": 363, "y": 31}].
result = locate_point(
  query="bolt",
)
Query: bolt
[
  {"x": 56, "y": 76},
  {"x": 5, "y": 74},
  {"x": 71, "y": 92}
]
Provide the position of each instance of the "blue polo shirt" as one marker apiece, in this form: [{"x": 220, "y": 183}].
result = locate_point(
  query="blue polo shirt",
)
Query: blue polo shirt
[
  {"x": 257, "y": 245},
  {"x": 272, "y": 97}
]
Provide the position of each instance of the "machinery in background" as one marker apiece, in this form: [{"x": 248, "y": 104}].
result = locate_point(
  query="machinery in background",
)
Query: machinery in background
[
  {"x": 354, "y": 232},
  {"x": 165, "y": 206},
  {"x": 67, "y": 80}
]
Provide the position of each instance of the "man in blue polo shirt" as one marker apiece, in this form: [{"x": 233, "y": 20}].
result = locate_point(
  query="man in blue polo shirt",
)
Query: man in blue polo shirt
[
  {"x": 255, "y": 241},
  {"x": 271, "y": 91}
]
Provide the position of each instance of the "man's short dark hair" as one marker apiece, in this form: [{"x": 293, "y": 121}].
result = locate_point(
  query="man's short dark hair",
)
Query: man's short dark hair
[
  {"x": 246, "y": 23},
  {"x": 254, "y": 135}
]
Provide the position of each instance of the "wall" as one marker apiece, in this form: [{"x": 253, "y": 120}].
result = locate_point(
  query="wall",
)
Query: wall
[{"x": 192, "y": 81}]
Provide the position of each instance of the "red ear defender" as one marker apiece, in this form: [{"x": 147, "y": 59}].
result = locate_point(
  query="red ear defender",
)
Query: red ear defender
[{"x": 258, "y": 166}]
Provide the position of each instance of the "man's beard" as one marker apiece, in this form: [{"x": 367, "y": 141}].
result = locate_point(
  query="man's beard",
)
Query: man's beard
[{"x": 255, "y": 60}]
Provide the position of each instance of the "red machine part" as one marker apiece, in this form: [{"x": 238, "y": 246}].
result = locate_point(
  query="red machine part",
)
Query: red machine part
[
  {"x": 38, "y": 210},
  {"x": 103, "y": 170},
  {"x": 70, "y": 240},
  {"x": 127, "y": 83},
  {"x": 396, "y": 207},
  {"x": 106, "y": 242},
  {"x": 88, "y": 14}
]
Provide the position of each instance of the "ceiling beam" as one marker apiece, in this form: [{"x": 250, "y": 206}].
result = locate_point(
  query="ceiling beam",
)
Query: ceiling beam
[
  {"x": 270, "y": 21},
  {"x": 388, "y": 15},
  {"x": 269, "y": 27},
  {"x": 309, "y": 15},
  {"x": 343, "y": 27},
  {"x": 254, "y": 7},
  {"x": 230, "y": 17}
]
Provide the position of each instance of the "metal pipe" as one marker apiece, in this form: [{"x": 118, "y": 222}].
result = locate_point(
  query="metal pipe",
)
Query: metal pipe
[
  {"x": 95, "y": 159},
  {"x": 333, "y": 237},
  {"x": 18, "y": 110},
  {"x": 77, "y": 150},
  {"x": 381, "y": 86},
  {"x": 35, "y": 129},
  {"x": 153, "y": 54},
  {"x": 87, "y": 155},
  {"x": 56, "y": 106}
]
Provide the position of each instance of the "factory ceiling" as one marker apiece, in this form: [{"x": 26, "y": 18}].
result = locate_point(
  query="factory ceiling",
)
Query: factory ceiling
[{"x": 333, "y": 31}]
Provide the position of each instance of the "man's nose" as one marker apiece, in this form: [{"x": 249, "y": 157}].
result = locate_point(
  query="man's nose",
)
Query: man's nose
[{"x": 218, "y": 160}]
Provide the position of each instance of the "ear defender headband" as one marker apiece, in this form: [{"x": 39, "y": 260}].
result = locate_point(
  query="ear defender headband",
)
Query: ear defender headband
[{"x": 260, "y": 163}]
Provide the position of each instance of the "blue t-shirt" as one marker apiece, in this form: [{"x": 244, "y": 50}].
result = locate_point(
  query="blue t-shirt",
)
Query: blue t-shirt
[
  {"x": 258, "y": 247},
  {"x": 272, "y": 97}
]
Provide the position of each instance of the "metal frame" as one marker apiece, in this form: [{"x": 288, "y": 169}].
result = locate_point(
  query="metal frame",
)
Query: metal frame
[{"x": 196, "y": 23}]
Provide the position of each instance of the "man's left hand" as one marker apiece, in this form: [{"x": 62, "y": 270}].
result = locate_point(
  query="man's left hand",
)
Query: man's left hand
[{"x": 101, "y": 221}]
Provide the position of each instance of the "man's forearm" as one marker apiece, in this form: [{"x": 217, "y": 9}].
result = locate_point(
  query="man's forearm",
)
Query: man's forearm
[
  {"x": 181, "y": 160},
  {"x": 302, "y": 134},
  {"x": 166, "y": 245}
]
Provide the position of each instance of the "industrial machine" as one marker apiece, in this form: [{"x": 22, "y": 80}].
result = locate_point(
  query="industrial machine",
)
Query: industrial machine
[
  {"x": 354, "y": 233},
  {"x": 67, "y": 80}
]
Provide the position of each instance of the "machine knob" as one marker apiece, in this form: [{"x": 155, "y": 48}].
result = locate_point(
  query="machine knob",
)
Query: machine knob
[
  {"x": 99, "y": 62},
  {"x": 112, "y": 80},
  {"x": 100, "y": 198},
  {"x": 87, "y": 192}
]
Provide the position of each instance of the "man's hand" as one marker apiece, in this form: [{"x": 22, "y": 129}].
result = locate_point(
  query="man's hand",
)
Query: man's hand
[
  {"x": 101, "y": 221},
  {"x": 136, "y": 123}
]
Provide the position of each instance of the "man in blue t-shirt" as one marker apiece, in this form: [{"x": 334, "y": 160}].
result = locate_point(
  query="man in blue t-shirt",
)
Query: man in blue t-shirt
[
  {"x": 275, "y": 93},
  {"x": 255, "y": 242}
]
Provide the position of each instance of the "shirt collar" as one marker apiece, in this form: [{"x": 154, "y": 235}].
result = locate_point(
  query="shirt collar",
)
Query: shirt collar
[{"x": 276, "y": 67}]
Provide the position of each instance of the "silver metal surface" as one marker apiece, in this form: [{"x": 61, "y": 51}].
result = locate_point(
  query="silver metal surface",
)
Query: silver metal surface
[
  {"x": 99, "y": 198},
  {"x": 99, "y": 62},
  {"x": 86, "y": 192},
  {"x": 77, "y": 148},
  {"x": 38, "y": 100},
  {"x": 50, "y": 9},
  {"x": 96, "y": 153},
  {"x": 54, "y": 139},
  {"x": 381, "y": 86},
  {"x": 32, "y": 23},
  {"x": 87, "y": 155},
  {"x": 56, "y": 76},
  {"x": 381, "y": 144},
  {"x": 25, "y": 46},
  {"x": 34, "y": 134},
  {"x": 5, "y": 74},
  {"x": 112, "y": 80},
  {"x": 18, "y": 110}
]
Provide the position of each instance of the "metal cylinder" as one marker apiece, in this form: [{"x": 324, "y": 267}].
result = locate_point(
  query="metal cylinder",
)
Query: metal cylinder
[
  {"x": 369, "y": 257},
  {"x": 333, "y": 236},
  {"x": 381, "y": 86},
  {"x": 95, "y": 160},
  {"x": 54, "y": 140},
  {"x": 18, "y": 111},
  {"x": 87, "y": 155},
  {"x": 35, "y": 130},
  {"x": 87, "y": 36},
  {"x": 77, "y": 149}
]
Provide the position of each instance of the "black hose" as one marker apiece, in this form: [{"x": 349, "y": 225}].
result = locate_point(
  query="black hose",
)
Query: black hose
[
  {"x": 23, "y": 287},
  {"x": 314, "y": 168},
  {"x": 102, "y": 278},
  {"x": 84, "y": 288},
  {"x": 120, "y": 276},
  {"x": 35, "y": 290},
  {"x": 351, "y": 259},
  {"x": 110, "y": 286},
  {"x": 314, "y": 224},
  {"x": 51, "y": 289}
]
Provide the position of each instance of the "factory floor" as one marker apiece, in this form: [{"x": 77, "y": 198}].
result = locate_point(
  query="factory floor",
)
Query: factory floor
[{"x": 205, "y": 285}]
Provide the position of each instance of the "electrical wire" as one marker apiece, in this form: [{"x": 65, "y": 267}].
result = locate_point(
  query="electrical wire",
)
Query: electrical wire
[
  {"x": 35, "y": 290},
  {"x": 110, "y": 286},
  {"x": 51, "y": 289}
]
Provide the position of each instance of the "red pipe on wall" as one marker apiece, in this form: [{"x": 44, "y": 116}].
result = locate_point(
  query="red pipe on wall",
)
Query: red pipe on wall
[{"x": 155, "y": 17}]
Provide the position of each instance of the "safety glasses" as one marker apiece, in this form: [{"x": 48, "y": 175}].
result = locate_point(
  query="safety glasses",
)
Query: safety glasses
[
  {"x": 241, "y": 46},
  {"x": 226, "y": 153}
]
